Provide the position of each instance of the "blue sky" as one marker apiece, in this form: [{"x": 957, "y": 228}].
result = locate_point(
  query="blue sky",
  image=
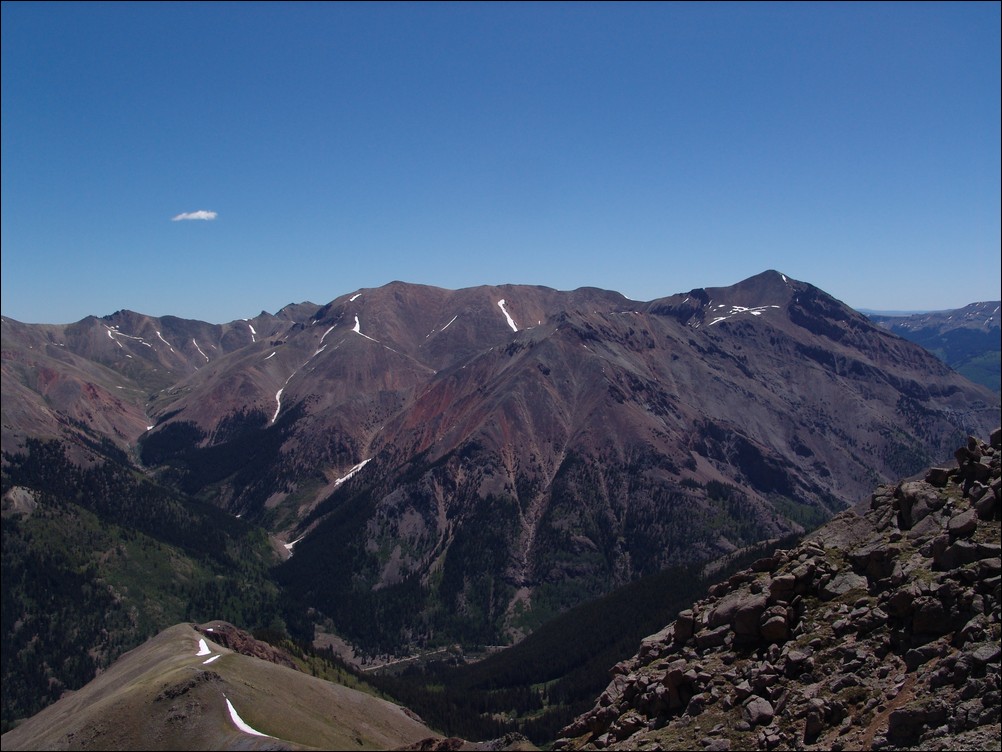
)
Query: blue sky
[{"x": 647, "y": 148}]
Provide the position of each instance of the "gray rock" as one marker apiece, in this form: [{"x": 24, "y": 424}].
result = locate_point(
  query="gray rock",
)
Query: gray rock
[
  {"x": 781, "y": 587},
  {"x": 963, "y": 525},
  {"x": 813, "y": 725},
  {"x": 742, "y": 690},
  {"x": 987, "y": 652},
  {"x": 914, "y": 500},
  {"x": 904, "y": 725},
  {"x": 735, "y": 605},
  {"x": 684, "y": 625},
  {"x": 875, "y": 559},
  {"x": 840, "y": 584},
  {"x": 899, "y": 603},
  {"x": 717, "y": 745},
  {"x": 939, "y": 476},
  {"x": 712, "y": 638},
  {"x": 757, "y": 711},
  {"x": 775, "y": 629},
  {"x": 987, "y": 506},
  {"x": 929, "y": 617}
]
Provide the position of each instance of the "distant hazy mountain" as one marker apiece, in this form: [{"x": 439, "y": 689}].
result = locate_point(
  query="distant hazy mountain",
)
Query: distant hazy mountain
[{"x": 968, "y": 339}]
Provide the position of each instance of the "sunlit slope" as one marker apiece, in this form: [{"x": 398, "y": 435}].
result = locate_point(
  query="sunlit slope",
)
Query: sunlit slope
[{"x": 176, "y": 692}]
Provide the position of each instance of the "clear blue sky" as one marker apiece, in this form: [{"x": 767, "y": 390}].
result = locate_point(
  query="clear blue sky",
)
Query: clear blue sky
[{"x": 647, "y": 148}]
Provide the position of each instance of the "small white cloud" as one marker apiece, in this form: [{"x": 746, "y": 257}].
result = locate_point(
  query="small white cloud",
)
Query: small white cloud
[{"x": 200, "y": 214}]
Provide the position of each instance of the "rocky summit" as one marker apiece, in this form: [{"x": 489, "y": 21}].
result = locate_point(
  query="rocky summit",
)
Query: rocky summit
[{"x": 879, "y": 631}]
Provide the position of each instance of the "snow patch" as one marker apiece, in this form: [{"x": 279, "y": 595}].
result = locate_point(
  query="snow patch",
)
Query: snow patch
[
  {"x": 736, "y": 309},
  {"x": 358, "y": 330},
  {"x": 350, "y": 473},
  {"x": 199, "y": 350},
  {"x": 511, "y": 322},
  {"x": 354, "y": 297},
  {"x": 272, "y": 354},
  {"x": 203, "y": 648},
  {"x": 113, "y": 332},
  {"x": 210, "y": 660},
  {"x": 239, "y": 722},
  {"x": 253, "y": 333},
  {"x": 165, "y": 342},
  {"x": 278, "y": 403},
  {"x": 288, "y": 546}
]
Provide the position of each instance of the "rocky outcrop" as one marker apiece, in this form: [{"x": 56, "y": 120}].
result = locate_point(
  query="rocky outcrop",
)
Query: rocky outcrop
[
  {"x": 879, "y": 631},
  {"x": 239, "y": 641}
]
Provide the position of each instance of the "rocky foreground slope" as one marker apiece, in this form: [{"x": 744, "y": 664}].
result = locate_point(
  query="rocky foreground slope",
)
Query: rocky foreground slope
[{"x": 879, "y": 631}]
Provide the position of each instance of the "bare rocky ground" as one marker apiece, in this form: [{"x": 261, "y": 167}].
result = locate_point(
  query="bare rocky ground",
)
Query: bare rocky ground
[{"x": 879, "y": 631}]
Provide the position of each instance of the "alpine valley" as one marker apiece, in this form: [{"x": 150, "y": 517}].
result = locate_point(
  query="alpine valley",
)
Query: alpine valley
[{"x": 414, "y": 470}]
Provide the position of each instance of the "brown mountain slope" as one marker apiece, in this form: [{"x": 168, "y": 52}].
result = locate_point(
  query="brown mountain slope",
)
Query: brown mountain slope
[
  {"x": 879, "y": 631},
  {"x": 603, "y": 444},
  {"x": 502, "y": 453},
  {"x": 95, "y": 380}
]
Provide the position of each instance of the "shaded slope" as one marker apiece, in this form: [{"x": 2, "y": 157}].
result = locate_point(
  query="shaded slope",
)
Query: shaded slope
[{"x": 879, "y": 631}]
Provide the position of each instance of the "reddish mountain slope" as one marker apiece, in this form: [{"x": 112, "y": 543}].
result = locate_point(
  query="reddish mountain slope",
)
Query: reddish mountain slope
[{"x": 493, "y": 454}]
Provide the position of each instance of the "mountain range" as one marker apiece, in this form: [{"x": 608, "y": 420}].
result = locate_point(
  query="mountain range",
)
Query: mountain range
[
  {"x": 968, "y": 339},
  {"x": 450, "y": 466},
  {"x": 879, "y": 630}
]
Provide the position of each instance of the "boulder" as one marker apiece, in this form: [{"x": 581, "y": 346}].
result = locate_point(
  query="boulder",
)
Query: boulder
[
  {"x": 914, "y": 500},
  {"x": 737, "y": 605},
  {"x": 905, "y": 725},
  {"x": 781, "y": 587},
  {"x": 712, "y": 638},
  {"x": 929, "y": 616},
  {"x": 747, "y": 615},
  {"x": 939, "y": 476},
  {"x": 840, "y": 584},
  {"x": 963, "y": 525},
  {"x": 685, "y": 624},
  {"x": 775, "y": 629},
  {"x": 757, "y": 711}
]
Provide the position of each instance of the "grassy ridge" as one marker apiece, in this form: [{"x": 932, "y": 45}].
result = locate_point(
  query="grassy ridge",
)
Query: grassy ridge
[{"x": 105, "y": 560}]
